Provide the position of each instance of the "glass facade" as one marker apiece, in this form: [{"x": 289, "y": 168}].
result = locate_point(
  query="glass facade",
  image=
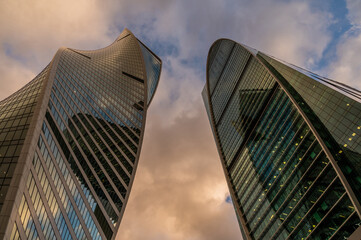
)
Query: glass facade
[
  {"x": 86, "y": 147},
  {"x": 16, "y": 113},
  {"x": 152, "y": 67},
  {"x": 290, "y": 164}
]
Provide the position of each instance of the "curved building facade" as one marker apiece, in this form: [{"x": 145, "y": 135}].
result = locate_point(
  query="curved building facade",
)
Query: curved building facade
[
  {"x": 70, "y": 142},
  {"x": 289, "y": 142}
]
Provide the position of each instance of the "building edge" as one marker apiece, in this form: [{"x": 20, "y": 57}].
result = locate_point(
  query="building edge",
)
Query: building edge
[
  {"x": 17, "y": 185},
  {"x": 244, "y": 230}
]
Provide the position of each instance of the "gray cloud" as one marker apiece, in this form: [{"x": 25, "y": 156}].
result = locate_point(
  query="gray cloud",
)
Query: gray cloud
[
  {"x": 289, "y": 29},
  {"x": 354, "y": 12},
  {"x": 346, "y": 67}
]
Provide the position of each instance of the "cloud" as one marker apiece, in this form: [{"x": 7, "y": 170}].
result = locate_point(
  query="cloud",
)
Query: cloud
[
  {"x": 32, "y": 32},
  {"x": 346, "y": 66},
  {"x": 13, "y": 76},
  {"x": 179, "y": 190},
  {"x": 178, "y": 92},
  {"x": 288, "y": 29},
  {"x": 354, "y": 12}
]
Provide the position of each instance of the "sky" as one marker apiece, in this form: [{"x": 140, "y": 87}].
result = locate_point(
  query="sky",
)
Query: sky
[{"x": 180, "y": 190}]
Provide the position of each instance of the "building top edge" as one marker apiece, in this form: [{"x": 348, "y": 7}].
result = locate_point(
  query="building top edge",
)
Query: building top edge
[{"x": 348, "y": 91}]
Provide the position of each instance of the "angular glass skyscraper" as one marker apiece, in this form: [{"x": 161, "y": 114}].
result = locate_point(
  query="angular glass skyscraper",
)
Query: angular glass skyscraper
[
  {"x": 289, "y": 142},
  {"x": 70, "y": 142}
]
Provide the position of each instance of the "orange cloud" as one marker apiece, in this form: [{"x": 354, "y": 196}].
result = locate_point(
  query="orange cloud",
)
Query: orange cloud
[{"x": 180, "y": 190}]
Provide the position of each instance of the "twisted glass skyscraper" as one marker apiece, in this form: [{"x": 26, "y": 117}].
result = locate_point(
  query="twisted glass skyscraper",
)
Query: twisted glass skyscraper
[
  {"x": 70, "y": 142},
  {"x": 289, "y": 142}
]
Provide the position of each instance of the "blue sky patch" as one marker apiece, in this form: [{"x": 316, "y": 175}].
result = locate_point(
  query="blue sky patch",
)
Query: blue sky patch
[{"x": 229, "y": 199}]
